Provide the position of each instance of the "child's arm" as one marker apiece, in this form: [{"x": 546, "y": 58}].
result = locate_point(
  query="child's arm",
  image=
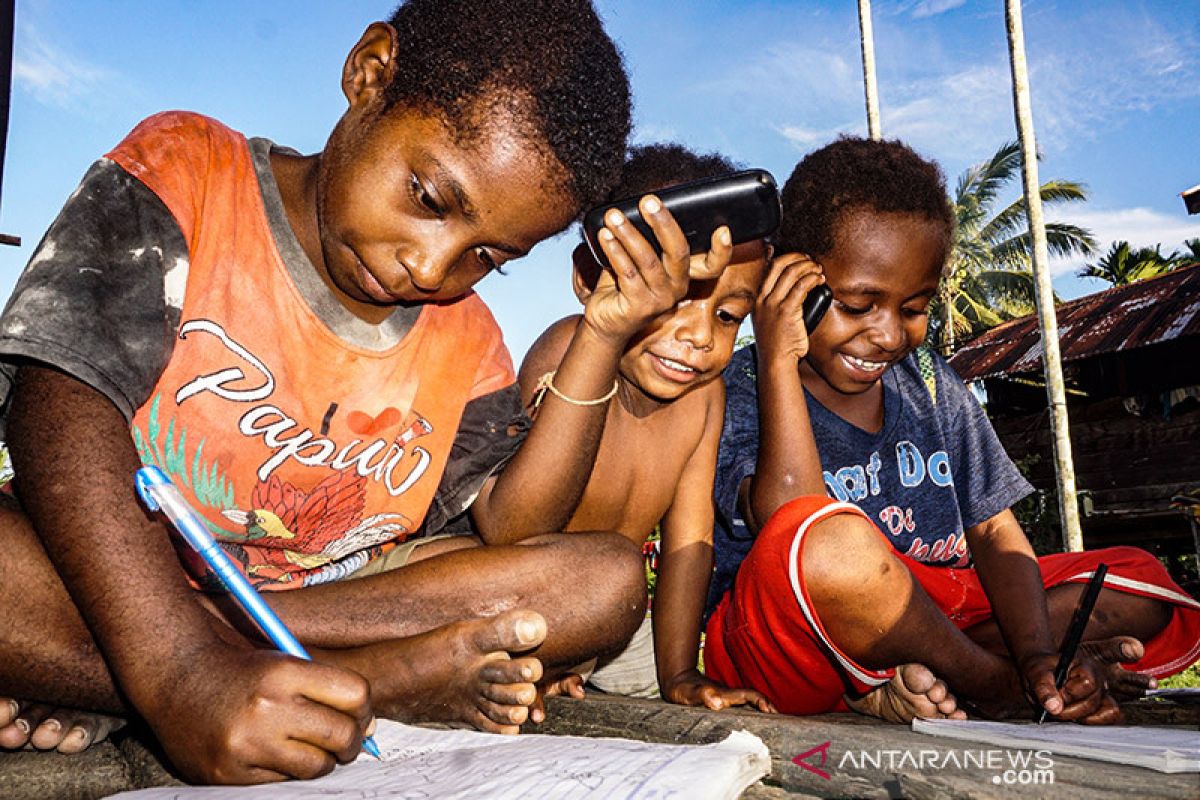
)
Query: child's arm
[
  {"x": 224, "y": 710},
  {"x": 685, "y": 568},
  {"x": 788, "y": 463},
  {"x": 1008, "y": 570},
  {"x": 540, "y": 488}
]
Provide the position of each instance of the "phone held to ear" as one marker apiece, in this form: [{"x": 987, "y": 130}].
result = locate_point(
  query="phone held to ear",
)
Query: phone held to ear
[
  {"x": 815, "y": 305},
  {"x": 747, "y": 201}
]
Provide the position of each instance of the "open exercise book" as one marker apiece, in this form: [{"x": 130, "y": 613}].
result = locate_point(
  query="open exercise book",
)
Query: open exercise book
[
  {"x": 419, "y": 763},
  {"x": 1162, "y": 749}
]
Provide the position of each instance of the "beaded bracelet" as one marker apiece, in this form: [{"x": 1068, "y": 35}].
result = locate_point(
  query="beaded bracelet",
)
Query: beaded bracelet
[{"x": 546, "y": 383}]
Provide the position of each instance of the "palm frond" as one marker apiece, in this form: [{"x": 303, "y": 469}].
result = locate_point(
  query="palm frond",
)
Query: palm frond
[
  {"x": 1062, "y": 239},
  {"x": 985, "y": 180},
  {"x": 1014, "y": 219}
]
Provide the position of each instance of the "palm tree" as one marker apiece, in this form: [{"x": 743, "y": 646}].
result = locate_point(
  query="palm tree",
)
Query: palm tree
[
  {"x": 1190, "y": 254},
  {"x": 1123, "y": 265},
  {"x": 988, "y": 279}
]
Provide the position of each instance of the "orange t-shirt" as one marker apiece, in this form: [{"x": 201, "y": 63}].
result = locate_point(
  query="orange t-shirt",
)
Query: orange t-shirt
[{"x": 303, "y": 453}]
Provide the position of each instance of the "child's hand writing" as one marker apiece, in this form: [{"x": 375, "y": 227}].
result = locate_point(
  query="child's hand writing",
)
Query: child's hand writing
[
  {"x": 240, "y": 715},
  {"x": 693, "y": 689},
  {"x": 1084, "y": 695},
  {"x": 642, "y": 284},
  {"x": 778, "y": 316}
]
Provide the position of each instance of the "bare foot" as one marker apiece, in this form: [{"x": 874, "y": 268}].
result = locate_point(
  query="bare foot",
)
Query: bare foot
[
  {"x": 1111, "y": 654},
  {"x": 463, "y": 672},
  {"x": 43, "y": 727},
  {"x": 569, "y": 684},
  {"x": 913, "y": 691}
]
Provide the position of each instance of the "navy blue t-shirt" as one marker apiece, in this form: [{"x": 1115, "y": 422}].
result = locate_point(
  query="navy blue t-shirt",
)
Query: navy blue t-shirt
[{"x": 932, "y": 471}]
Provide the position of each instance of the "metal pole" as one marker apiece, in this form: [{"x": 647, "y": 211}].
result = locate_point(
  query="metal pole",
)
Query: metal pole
[
  {"x": 1068, "y": 506},
  {"x": 867, "y": 41}
]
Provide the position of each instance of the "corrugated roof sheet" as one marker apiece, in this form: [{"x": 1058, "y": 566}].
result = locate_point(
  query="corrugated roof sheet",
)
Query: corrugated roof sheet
[{"x": 1143, "y": 313}]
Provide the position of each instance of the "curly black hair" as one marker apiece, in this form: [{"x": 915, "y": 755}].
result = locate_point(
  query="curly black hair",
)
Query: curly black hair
[
  {"x": 650, "y": 167},
  {"x": 550, "y": 60},
  {"x": 854, "y": 174}
]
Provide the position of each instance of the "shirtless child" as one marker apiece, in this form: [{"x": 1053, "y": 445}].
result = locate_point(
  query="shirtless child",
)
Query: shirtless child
[
  {"x": 656, "y": 459},
  {"x": 326, "y": 388}
]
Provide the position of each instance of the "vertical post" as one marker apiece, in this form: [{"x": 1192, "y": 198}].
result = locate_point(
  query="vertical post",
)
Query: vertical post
[
  {"x": 7, "y": 8},
  {"x": 1051, "y": 355},
  {"x": 866, "y": 38}
]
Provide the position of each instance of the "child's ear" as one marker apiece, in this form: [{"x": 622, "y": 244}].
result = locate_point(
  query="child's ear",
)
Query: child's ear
[
  {"x": 585, "y": 272},
  {"x": 369, "y": 67}
]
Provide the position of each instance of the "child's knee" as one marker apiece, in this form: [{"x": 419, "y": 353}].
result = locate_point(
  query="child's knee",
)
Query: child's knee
[
  {"x": 617, "y": 579},
  {"x": 844, "y": 552}
]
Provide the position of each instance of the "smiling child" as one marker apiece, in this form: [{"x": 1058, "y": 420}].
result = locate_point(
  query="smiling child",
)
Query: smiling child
[
  {"x": 915, "y": 556},
  {"x": 654, "y": 462}
]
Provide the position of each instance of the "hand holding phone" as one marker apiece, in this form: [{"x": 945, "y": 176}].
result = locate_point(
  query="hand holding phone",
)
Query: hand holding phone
[
  {"x": 747, "y": 202},
  {"x": 791, "y": 303}
]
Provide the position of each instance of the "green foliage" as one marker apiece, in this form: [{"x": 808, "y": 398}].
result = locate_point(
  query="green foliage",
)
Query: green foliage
[
  {"x": 988, "y": 278},
  {"x": 208, "y": 483},
  {"x": 1123, "y": 265},
  {"x": 1188, "y": 679},
  {"x": 6, "y": 471}
]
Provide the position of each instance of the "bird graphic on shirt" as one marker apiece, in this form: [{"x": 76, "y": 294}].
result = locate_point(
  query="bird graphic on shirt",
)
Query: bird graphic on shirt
[{"x": 319, "y": 526}]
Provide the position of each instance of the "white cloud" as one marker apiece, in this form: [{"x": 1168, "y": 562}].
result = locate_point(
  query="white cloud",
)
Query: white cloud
[
  {"x": 930, "y": 8},
  {"x": 1141, "y": 227},
  {"x": 807, "y": 138},
  {"x": 650, "y": 132},
  {"x": 1088, "y": 75},
  {"x": 797, "y": 77},
  {"x": 954, "y": 115},
  {"x": 50, "y": 74}
]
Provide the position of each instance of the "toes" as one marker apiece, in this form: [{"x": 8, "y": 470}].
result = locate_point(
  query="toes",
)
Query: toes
[
  {"x": 15, "y": 735},
  {"x": 1116, "y": 649},
  {"x": 1125, "y": 684},
  {"x": 78, "y": 739},
  {"x": 511, "y": 694},
  {"x": 512, "y": 631},
  {"x": 502, "y": 714},
  {"x": 51, "y": 732},
  {"x": 29, "y": 720},
  {"x": 89, "y": 729},
  {"x": 68, "y": 731},
  {"x": 481, "y": 721},
  {"x": 8, "y": 711},
  {"x": 916, "y": 678},
  {"x": 513, "y": 671}
]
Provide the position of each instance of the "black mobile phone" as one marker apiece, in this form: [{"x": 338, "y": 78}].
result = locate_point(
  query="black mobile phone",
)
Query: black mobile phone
[
  {"x": 747, "y": 201},
  {"x": 815, "y": 305}
]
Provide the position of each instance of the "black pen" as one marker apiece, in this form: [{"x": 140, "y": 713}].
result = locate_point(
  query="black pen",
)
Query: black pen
[{"x": 1074, "y": 635}]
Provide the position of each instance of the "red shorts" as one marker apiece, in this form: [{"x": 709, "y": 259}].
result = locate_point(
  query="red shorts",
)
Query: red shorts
[{"x": 766, "y": 635}]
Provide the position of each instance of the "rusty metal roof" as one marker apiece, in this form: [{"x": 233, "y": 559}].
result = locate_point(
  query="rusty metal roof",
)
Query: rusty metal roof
[{"x": 1122, "y": 318}]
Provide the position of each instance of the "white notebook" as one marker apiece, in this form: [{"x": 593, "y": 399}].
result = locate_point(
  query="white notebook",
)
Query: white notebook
[
  {"x": 421, "y": 763},
  {"x": 1162, "y": 749}
]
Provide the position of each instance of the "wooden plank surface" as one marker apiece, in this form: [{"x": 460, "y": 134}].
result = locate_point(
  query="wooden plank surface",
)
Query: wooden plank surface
[
  {"x": 850, "y": 736},
  {"x": 132, "y": 762}
]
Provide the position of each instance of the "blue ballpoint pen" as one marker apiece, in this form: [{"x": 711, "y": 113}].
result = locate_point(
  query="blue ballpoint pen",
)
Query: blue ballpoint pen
[{"x": 158, "y": 493}]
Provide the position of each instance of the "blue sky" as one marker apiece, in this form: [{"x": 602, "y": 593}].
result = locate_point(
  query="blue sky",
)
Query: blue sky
[{"x": 1116, "y": 88}]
